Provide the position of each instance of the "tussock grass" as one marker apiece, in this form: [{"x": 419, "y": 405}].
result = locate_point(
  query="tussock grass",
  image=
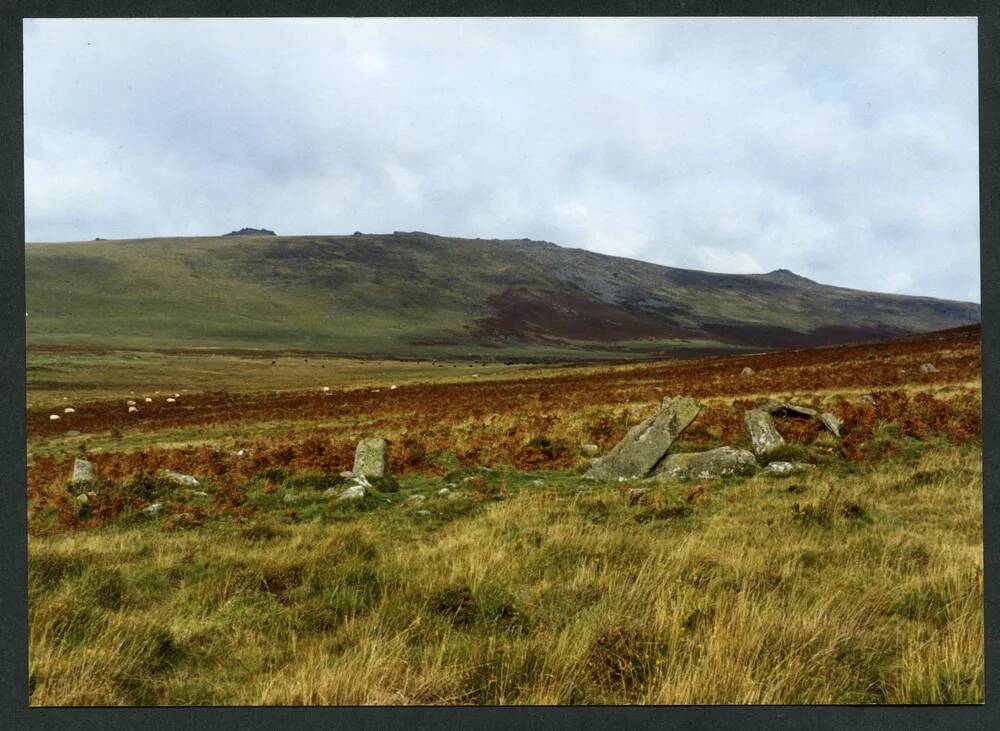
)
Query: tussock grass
[{"x": 537, "y": 588}]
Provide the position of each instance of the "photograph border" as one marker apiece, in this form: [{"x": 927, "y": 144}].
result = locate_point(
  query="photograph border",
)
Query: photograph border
[{"x": 14, "y": 711}]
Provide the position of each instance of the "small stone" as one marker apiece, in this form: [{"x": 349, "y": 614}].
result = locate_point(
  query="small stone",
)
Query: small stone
[
  {"x": 53, "y": 417},
  {"x": 866, "y": 399},
  {"x": 423, "y": 512},
  {"x": 393, "y": 387},
  {"x": 291, "y": 497},
  {"x": 148, "y": 400},
  {"x": 589, "y": 450},
  {"x": 786, "y": 468},
  {"x": 928, "y": 368},
  {"x": 69, "y": 410},
  {"x": 748, "y": 371},
  {"x": 82, "y": 498},
  {"x": 72, "y": 433},
  {"x": 132, "y": 409},
  {"x": 130, "y": 402},
  {"x": 199, "y": 493},
  {"x": 152, "y": 510},
  {"x": 171, "y": 400},
  {"x": 355, "y": 492},
  {"x": 415, "y": 499},
  {"x": 443, "y": 491},
  {"x": 180, "y": 477}
]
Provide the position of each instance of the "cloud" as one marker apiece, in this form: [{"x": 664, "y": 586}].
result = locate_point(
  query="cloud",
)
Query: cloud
[{"x": 845, "y": 150}]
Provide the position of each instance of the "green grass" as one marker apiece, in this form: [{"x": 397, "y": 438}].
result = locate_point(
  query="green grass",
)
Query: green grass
[{"x": 524, "y": 587}]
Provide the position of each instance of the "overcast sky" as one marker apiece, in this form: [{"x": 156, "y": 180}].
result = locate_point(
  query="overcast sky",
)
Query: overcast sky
[{"x": 845, "y": 150}]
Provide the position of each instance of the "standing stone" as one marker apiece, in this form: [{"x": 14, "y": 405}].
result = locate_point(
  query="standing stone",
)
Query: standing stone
[
  {"x": 720, "y": 462},
  {"x": 760, "y": 426},
  {"x": 647, "y": 442},
  {"x": 83, "y": 470},
  {"x": 371, "y": 458}
]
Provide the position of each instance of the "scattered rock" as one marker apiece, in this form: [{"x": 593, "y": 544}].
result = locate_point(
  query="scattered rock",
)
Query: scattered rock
[
  {"x": 130, "y": 402},
  {"x": 69, "y": 410},
  {"x": 720, "y": 462},
  {"x": 326, "y": 388},
  {"x": 760, "y": 426},
  {"x": 152, "y": 510},
  {"x": 831, "y": 422},
  {"x": 393, "y": 387},
  {"x": 787, "y": 468},
  {"x": 647, "y": 442},
  {"x": 83, "y": 498},
  {"x": 148, "y": 400},
  {"x": 866, "y": 398},
  {"x": 291, "y": 497},
  {"x": 132, "y": 409},
  {"x": 443, "y": 491},
  {"x": 53, "y": 417},
  {"x": 589, "y": 450},
  {"x": 423, "y": 512},
  {"x": 371, "y": 458},
  {"x": 83, "y": 470},
  {"x": 416, "y": 499},
  {"x": 928, "y": 368},
  {"x": 748, "y": 371},
  {"x": 171, "y": 400},
  {"x": 180, "y": 478},
  {"x": 199, "y": 493},
  {"x": 354, "y": 492},
  {"x": 72, "y": 433}
]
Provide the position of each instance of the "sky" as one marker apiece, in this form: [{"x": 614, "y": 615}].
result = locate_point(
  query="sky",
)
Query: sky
[{"x": 845, "y": 150}]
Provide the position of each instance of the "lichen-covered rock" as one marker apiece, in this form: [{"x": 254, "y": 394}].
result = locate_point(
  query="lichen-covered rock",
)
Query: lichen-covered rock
[
  {"x": 83, "y": 470},
  {"x": 647, "y": 442},
  {"x": 721, "y": 462},
  {"x": 760, "y": 426},
  {"x": 787, "y": 468},
  {"x": 371, "y": 458}
]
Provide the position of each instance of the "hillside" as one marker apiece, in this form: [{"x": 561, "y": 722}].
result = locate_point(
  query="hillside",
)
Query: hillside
[{"x": 419, "y": 295}]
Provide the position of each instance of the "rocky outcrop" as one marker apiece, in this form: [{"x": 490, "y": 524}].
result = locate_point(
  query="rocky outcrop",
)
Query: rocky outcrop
[
  {"x": 646, "y": 443},
  {"x": 251, "y": 232},
  {"x": 721, "y": 462}
]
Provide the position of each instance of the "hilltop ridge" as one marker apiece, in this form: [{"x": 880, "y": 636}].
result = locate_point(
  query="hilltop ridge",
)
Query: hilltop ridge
[{"x": 414, "y": 294}]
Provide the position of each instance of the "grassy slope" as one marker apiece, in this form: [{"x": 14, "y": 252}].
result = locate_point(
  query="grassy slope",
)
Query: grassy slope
[
  {"x": 861, "y": 586},
  {"x": 398, "y": 295}
]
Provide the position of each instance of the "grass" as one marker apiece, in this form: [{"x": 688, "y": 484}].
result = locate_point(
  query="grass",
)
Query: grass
[{"x": 529, "y": 587}]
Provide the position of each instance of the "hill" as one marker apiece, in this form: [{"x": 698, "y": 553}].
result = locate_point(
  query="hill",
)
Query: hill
[{"x": 420, "y": 295}]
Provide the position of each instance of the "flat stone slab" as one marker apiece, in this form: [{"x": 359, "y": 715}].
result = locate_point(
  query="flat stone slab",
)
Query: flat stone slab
[
  {"x": 721, "y": 462},
  {"x": 646, "y": 443},
  {"x": 760, "y": 426}
]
